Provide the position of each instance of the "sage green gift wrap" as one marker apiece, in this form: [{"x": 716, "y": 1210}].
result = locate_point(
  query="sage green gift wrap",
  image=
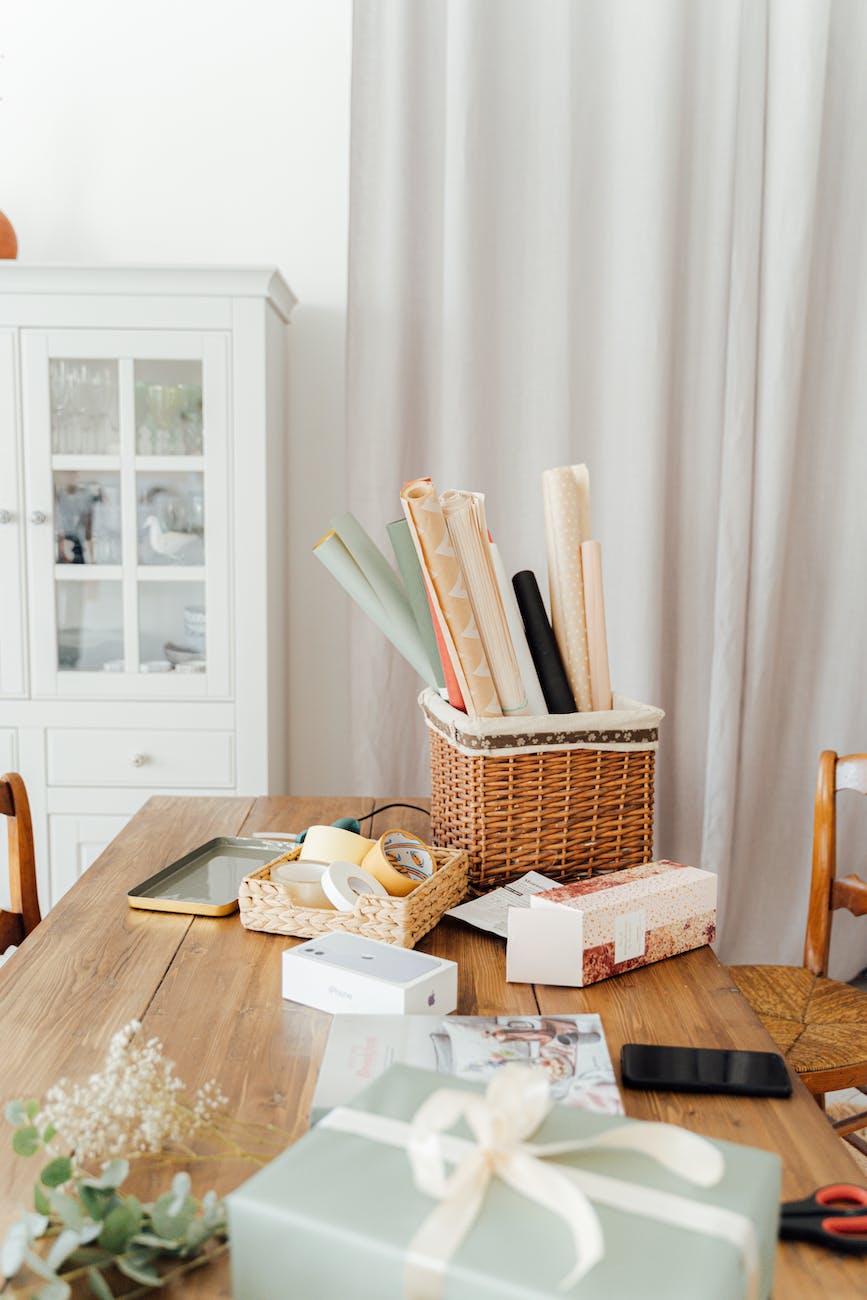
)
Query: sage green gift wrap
[{"x": 332, "y": 1218}]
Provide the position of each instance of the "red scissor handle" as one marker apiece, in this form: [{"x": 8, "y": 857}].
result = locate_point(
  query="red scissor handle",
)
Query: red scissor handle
[
  {"x": 856, "y": 1226},
  {"x": 841, "y": 1193}
]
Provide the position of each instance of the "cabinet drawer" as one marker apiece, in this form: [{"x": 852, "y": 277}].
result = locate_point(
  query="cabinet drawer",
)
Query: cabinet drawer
[{"x": 139, "y": 757}]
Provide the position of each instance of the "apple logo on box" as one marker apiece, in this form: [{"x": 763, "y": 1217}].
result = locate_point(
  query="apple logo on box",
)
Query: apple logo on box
[{"x": 432, "y": 999}]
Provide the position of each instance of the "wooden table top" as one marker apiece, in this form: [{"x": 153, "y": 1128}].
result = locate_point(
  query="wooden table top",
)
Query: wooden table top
[{"x": 211, "y": 991}]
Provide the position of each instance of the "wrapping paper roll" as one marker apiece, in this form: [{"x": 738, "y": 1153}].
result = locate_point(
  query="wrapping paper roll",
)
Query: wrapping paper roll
[
  {"x": 330, "y": 843},
  {"x": 456, "y": 683},
  {"x": 413, "y": 581},
  {"x": 422, "y": 506},
  {"x": 597, "y": 637},
  {"x": 566, "y": 493},
  {"x": 464, "y": 514},
  {"x": 536, "y": 705},
  {"x": 543, "y": 644},
  {"x": 370, "y": 589}
]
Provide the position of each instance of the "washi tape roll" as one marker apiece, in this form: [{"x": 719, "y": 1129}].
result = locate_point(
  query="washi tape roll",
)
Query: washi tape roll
[
  {"x": 332, "y": 844},
  {"x": 303, "y": 882},
  {"x": 400, "y": 861}
]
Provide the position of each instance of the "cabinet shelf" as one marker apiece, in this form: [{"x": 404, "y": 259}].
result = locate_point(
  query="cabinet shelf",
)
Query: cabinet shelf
[
  {"x": 86, "y": 464},
  {"x": 88, "y": 572},
  {"x": 165, "y": 464},
  {"x": 171, "y": 573}
]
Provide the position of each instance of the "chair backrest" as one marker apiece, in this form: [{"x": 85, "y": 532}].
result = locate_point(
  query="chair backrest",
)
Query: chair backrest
[
  {"x": 827, "y": 893},
  {"x": 25, "y": 914}
]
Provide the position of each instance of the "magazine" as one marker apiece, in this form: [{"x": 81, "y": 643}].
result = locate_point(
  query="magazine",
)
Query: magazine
[{"x": 571, "y": 1049}]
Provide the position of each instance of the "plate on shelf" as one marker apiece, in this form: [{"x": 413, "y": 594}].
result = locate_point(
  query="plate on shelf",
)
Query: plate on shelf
[{"x": 181, "y": 654}]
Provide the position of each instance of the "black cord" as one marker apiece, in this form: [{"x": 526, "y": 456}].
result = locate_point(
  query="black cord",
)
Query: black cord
[{"x": 414, "y": 807}]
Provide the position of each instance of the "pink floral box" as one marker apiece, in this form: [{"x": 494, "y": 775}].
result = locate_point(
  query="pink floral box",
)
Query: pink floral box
[{"x": 634, "y": 917}]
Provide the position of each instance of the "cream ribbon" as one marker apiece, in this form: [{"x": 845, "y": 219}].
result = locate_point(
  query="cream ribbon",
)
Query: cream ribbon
[{"x": 514, "y": 1105}]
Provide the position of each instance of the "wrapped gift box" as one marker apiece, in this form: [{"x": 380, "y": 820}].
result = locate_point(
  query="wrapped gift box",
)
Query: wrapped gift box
[
  {"x": 620, "y": 921},
  {"x": 333, "y": 1216}
]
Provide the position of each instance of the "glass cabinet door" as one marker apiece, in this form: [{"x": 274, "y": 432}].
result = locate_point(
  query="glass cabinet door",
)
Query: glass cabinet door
[{"x": 127, "y": 449}]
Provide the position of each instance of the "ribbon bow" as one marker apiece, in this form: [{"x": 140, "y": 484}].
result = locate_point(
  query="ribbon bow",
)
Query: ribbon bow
[{"x": 457, "y": 1173}]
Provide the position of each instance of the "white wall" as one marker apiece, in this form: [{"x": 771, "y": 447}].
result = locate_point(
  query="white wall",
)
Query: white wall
[{"x": 207, "y": 131}]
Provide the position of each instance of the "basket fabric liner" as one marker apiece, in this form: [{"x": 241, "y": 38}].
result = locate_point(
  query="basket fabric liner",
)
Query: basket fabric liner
[{"x": 628, "y": 726}]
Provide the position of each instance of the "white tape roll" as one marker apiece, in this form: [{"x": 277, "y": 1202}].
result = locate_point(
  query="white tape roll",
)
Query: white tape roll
[
  {"x": 332, "y": 844},
  {"x": 344, "y": 882}
]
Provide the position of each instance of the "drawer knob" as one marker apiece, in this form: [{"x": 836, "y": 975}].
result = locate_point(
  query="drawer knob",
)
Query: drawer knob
[
  {"x": 7, "y": 517},
  {"x": 138, "y": 760},
  {"x": 38, "y": 517}
]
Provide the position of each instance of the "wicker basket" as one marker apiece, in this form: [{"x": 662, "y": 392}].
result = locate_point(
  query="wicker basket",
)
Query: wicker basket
[
  {"x": 266, "y": 905},
  {"x": 567, "y": 795}
]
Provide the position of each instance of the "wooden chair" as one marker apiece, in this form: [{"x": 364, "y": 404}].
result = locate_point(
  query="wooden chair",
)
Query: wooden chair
[
  {"x": 25, "y": 914},
  {"x": 819, "y": 1024}
]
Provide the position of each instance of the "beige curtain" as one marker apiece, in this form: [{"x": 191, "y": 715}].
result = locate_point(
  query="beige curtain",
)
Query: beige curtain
[{"x": 632, "y": 234}]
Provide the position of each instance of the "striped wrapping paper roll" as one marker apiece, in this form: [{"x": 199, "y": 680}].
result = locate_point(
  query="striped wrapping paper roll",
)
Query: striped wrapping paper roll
[{"x": 422, "y": 506}]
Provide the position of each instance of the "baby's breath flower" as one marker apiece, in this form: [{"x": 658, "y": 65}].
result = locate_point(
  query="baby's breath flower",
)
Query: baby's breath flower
[{"x": 132, "y": 1105}]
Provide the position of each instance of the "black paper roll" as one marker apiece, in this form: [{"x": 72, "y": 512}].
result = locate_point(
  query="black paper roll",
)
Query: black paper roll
[{"x": 543, "y": 645}]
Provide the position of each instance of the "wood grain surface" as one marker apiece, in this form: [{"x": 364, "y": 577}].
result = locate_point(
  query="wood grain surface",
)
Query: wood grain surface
[{"x": 211, "y": 991}]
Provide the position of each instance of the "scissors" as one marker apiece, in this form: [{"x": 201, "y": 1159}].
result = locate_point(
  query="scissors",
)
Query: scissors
[{"x": 835, "y": 1217}]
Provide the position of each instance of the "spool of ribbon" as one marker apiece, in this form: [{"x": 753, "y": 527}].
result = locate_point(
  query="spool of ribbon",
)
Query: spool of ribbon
[
  {"x": 457, "y": 1173},
  {"x": 345, "y": 882},
  {"x": 331, "y": 844},
  {"x": 400, "y": 861}
]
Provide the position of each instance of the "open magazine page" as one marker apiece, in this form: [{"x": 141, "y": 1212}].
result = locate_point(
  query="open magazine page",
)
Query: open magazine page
[{"x": 571, "y": 1049}]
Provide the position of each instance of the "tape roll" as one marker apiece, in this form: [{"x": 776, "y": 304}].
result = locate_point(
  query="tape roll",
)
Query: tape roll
[
  {"x": 400, "y": 861},
  {"x": 303, "y": 882},
  {"x": 331, "y": 844},
  {"x": 345, "y": 882}
]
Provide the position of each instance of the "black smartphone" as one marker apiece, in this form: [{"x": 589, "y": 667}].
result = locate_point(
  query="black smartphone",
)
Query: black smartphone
[{"x": 704, "y": 1069}]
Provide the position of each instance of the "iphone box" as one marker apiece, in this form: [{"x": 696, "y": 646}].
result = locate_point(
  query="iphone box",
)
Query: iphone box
[
  {"x": 610, "y": 923},
  {"x": 347, "y": 973}
]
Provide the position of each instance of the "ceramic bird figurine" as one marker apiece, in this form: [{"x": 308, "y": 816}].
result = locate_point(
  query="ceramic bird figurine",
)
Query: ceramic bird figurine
[{"x": 171, "y": 544}]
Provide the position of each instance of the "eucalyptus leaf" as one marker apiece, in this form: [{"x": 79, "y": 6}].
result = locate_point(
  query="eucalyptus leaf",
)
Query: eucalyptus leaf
[
  {"x": 98, "y": 1285},
  {"x": 112, "y": 1176},
  {"x": 26, "y": 1141},
  {"x": 169, "y": 1224},
  {"x": 63, "y": 1246},
  {"x": 32, "y": 1107},
  {"x": 155, "y": 1243},
  {"x": 97, "y": 1201},
  {"x": 197, "y": 1234},
  {"x": 57, "y": 1289},
  {"x": 38, "y": 1265},
  {"x": 122, "y": 1223},
  {"x": 181, "y": 1184},
  {"x": 67, "y": 1209},
  {"x": 15, "y": 1113},
  {"x": 138, "y": 1273},
  {"x": 49, "y": 1133},
  {"x": 13, "y": 1249},
  {"x": 57, "y": 1172},
  {"x": 40, "y": 1200}
]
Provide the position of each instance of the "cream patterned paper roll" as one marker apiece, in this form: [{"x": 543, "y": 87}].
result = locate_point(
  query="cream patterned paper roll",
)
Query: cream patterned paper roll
[
  {"x": 422, "y": 503},
  {"x": 566, "y": 493}
]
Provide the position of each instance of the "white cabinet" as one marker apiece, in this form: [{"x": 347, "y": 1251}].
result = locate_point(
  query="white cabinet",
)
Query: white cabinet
[{"x": 143, "y": 542}]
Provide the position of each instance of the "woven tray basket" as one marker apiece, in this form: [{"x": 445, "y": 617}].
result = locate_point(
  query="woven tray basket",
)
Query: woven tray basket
[
  {"x": 567, "y": 795},
  {"x": 266, "y": 905}
]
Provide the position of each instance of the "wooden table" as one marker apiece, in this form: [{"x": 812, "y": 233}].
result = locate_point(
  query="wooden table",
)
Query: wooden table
[{"x": 211, "y": 991}]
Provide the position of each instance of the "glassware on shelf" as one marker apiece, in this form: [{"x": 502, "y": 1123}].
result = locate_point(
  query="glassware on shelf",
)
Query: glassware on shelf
[
  {"x": 172, "y": 624},
  {"x": 89, "y": 626},
  {"x": 168, "y": 408},
  {"x": 87, "y": 518},
  {"x": 84, "y": 407}
]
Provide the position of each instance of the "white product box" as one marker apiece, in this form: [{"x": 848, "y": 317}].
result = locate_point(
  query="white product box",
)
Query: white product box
[{"x": 348, "y": 973}]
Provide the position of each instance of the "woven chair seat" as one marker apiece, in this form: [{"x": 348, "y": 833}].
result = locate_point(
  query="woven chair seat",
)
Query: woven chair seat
[{"x": 818, "y": 1024}]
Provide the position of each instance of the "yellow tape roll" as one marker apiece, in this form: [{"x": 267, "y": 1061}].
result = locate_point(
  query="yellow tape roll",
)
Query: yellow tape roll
[
  {"x": 399, "y": 846},
  {"x": 332, "y": 844}
]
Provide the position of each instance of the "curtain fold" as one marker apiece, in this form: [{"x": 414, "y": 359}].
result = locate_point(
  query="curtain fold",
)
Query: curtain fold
[{"x": 632, "y": 234}]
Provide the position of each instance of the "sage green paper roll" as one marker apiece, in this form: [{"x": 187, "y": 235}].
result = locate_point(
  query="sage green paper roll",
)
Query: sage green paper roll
[
  {"x": 413, "y": 581},
  {"x": 359, "y": 574}
]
